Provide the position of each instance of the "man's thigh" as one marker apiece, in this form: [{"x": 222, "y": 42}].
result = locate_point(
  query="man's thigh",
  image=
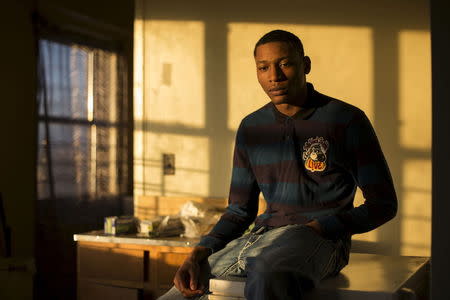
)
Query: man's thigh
[
  {"x": 225, "y": 261},
  {"x": 297, "y": 249},
  {"x": 292, "y": 248},
  {"x": 218, "y": 264}
]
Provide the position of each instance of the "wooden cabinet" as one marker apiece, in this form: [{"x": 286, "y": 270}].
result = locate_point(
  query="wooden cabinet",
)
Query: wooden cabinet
[
  {"x": 126, "y": 270},
  {"x": 131, "y": 267},
  {"x": 94, "y": 290}
]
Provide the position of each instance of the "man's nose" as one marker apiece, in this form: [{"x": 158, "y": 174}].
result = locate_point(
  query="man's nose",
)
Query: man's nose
[{"x": 276, "y": 74}]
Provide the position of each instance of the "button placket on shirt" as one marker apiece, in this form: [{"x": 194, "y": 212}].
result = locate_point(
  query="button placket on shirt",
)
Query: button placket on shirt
[{"x": 288, "y": 128}]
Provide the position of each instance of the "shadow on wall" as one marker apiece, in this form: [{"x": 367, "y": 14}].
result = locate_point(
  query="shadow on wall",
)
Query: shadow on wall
[{"x": 195, "y": 81}]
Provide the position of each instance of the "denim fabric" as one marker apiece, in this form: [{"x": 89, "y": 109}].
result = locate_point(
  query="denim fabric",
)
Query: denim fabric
[{"x": 279, "y": 263}]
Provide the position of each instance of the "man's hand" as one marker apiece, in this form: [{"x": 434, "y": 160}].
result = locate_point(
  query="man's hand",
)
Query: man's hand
[
  {"x": 315, "y": 226},
  {"x": 187, "y": 277}
]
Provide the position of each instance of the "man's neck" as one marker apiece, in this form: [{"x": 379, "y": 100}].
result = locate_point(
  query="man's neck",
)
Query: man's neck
[
  {"x": 292, "y": 107},
  {"x": 288, "y": 109}
]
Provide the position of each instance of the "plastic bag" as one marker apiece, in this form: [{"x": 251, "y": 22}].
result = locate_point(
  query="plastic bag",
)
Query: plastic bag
[
  {"x": 198, "y": 219},
  {"x": 170, "y": 226}
]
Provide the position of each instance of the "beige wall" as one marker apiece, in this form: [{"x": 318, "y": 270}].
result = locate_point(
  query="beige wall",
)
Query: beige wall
[{"x": 195, "y": 80}]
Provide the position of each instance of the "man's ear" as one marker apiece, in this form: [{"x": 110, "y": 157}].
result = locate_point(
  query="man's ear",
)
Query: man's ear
[{"x": 307, "y": 64}]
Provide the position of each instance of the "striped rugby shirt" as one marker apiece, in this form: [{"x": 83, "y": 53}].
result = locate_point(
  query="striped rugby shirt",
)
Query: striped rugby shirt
[{"x": 307, "y": 167}]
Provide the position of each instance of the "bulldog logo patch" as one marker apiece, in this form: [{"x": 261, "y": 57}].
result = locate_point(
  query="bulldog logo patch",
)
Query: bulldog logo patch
[{"x": 315, "y": 154}]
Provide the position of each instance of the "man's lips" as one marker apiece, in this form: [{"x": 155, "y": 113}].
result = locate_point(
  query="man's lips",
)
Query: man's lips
[{"x": 278, "y": 91}]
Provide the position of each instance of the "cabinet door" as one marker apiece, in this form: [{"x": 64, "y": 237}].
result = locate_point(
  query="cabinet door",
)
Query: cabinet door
[
  {"x": 111, "y": 264},
  {"x": 166, "y": 267},
  {"x": 94, "y": 291}
]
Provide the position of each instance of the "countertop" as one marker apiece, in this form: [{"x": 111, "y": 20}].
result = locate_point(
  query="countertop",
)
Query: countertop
[{"x": 100, "y": 236}]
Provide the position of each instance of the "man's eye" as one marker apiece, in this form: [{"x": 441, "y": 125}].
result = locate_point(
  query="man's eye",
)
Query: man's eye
[
  {"x": 262, "y": 68},
  {"x": 285, "y": 64}
]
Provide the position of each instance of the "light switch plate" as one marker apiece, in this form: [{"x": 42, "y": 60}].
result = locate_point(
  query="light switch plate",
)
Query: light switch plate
[{"x": 168, "y": 164}]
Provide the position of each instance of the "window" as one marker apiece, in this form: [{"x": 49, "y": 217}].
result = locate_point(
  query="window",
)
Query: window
[{"x": 83, "y": 123}]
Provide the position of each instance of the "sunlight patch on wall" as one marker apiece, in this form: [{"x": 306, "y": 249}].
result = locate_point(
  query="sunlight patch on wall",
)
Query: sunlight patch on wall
[
  {"x": 174, "y": 61},
  {"x": 416, "y": 209},
  {"x": 138, "y": 103},
  {"x": 342, "y": 65},
  {"x": 191, "y": 165},
  {"x": 415, "y": 89},
  {"x": 415, "y": 136}
]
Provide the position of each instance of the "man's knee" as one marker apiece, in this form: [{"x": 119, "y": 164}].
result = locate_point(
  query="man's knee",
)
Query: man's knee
[
  {"x": 262, "y": 276},
  {"x": 259, "y": 271}
]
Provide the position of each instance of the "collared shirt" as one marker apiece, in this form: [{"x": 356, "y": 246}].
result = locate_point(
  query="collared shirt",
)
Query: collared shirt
[{"x": 307, "y": 167}]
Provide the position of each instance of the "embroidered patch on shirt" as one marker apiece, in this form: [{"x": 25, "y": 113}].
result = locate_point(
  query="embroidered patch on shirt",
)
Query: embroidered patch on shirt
[{"x": 315, "y": 154}]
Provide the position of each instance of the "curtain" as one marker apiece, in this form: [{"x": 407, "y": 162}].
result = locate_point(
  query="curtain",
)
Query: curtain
[
  {"x": 83, "y": 157},
  {"x": 83, "y": 124}
]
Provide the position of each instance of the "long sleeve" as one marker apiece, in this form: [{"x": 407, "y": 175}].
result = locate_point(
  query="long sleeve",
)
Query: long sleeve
[
  {"x": 242, "y": 202},
  {"x": 371, "y": 174}
]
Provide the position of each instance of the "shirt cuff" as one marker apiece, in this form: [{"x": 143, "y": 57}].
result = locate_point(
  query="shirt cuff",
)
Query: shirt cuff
[
  {"x": 211, "y": 242},
  {"x": 332, "y": 228}
]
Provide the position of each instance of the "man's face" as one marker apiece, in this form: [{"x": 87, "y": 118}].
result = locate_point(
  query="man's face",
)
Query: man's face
[{"x": 281, "y": 71}]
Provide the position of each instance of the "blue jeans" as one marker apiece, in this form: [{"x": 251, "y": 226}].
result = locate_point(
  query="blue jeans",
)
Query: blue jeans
[{"x": 279, "y": 263}]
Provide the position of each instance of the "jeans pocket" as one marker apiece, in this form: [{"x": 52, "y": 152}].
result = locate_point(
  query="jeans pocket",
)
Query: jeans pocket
[
  {"x": 324, "y": 253},
  {"x": 340, "y": 259},
  {"x": 343, "y": 256},
  {"x": 329, "y": 269},
  {"x": 309, "y": 228}
]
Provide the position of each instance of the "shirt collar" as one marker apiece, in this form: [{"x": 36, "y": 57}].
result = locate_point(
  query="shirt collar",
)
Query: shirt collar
[{"x": 308, "y": 109}]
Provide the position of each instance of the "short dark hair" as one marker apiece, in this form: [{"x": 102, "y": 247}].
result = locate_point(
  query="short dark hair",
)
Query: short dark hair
[{"x": 281, "y": 36}]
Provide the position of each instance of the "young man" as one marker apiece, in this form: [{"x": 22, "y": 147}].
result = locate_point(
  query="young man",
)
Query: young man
[{"x": 306, "y": 153}]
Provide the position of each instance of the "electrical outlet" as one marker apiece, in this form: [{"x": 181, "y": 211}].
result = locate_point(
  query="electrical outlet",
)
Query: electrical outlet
[{"x": 168, "y": 164}]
